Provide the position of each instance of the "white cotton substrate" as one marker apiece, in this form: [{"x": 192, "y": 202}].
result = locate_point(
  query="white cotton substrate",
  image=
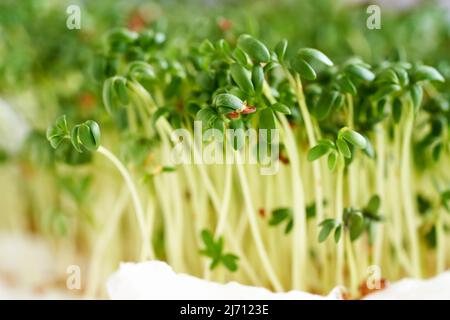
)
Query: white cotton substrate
[
  {"x": 155, "y": 280},
  {"x": 437, "y": 288},
  {"x": 13, "y": 128}
]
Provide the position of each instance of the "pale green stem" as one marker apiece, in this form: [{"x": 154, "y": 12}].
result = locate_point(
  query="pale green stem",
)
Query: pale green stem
[
  {"x": 379, "y": 181},
  {"x": 317, "y": 174},
  {"x": 102, "y": 243},
  {"x": 224, "y": 210},
  {"x": 405, "y": 172},
  {"x": 299, "y": 244},
  {"x": 339, "y": 208},
  {"x": 147, "y": 249},
  {"x": 441, "y": 245},
  {"x": 217, "y": 205},
  {"x": 225, "y": 203},
  {"x": 251, "y": 213},
  {"x": 352, "y": 265}
]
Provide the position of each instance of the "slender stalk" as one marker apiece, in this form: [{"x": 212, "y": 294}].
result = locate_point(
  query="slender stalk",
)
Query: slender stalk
[
  {"x": 251, "y": 213},
  {"x": 352, "y": 182},
  {"x": 318, "y": 185},
  {"x": 225, "y": 203},
  {"x": 224, "y": 209},
  {"x": 102, "y": 243},
  {"x": 299, "y": 244},
  {"x": 379, "y": 181},
  {"x": 339, "y": 208},
  {"x": 211, "y": 191},
  {"x": 353, "y": 269},
  {"x": 147, "y": 249},
  {"x": 441, "y": 245},
  {"x": 393, "y": 195},
  {"x": 317, "y": 174},
  {"x": 405, "y": 171}
]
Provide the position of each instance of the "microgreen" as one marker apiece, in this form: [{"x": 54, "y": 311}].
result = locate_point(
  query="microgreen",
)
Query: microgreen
[
  {"x": 281, "y": 215},
  {"x": 214, "y": 250},
  {"x": 257, "y": 51},
  {"x": 376, "y": 126},
  {"x": 153, "y": 83}
]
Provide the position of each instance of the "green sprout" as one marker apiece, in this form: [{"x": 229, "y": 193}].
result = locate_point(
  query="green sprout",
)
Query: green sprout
[{"x": 214, "y": 250}]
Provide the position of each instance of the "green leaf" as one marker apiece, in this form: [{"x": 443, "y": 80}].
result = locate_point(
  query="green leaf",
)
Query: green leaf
[
  {"x": 219, "y": 124},
  {"x": 280, "y": 50},
  {"x": 436, "y": 151},
  {"x": 289, "y": 225},
  {"x": 139, "y": 70},
  {"x": 402, "y": 76},
  {"x": 416, "y": 93},
  {"x": 238, "y": 136},
  {"x": 317, "y": 151},
  {"x": 347, "y": 85},
  {"x": 282, "y": 108},
  {"x": 427, "y": 73},
  {"x": 374, "y": 204},
  {"x": 343, "y": 148},
  {"x": 254, "y": 48},
  {"x": 360, "y": 72},
  {"x": 207, "y": 238},
  {"x": 95, "y": 132},
  {"x": 332, "y": 157},
  {"x": 445, "y": 200},
  {"x": 120, "y": 88},
  {"x": 279, "y": 215},
  {"x": 431, "y": 238},
  {"x": 121, "y": 35},
  {"x": 224, "y": 48},
  {"x": 388, "y": 76},
  {"x": 108, "y": 95},
  {"x": 396, "y": 110},
  {"x": 269, "y": 66},
  {"x": 169, "y": 169},
  {"x": 207, "y": 116},
  {"x": 228, "y": 101},
  {"x": 385, "y": 91},
  {"x": 86, "y": 135},
  {"x": 242, "y": 78},
  {"x": 214, "y": 263},
  {"x": 267, "y": 122},
  {"x": 218, "y": 246},
  {"x": 327, "y": 226},
  {"x": 159, "y": 113},
  {"x": 354, "y": 138},
  {"x": 74, "y": 137},
  {"x": 309, "y": 53},
  {"x": 57, "y": 132},
  {"x": 368, "y": 150},
  {"x": 258, "y": 78},
  {"x": 230, "y": 262},
  {"x": 338, "y": 233},
  {"x": 240, "y": 56},
  {"x": 325, "y": 104},
  {"x": 303, "y": 68},
  {"x": 356, "y": 225},
  {"x": 311, "y": 210},
  {"x": 206, "y": 47},
  {"x": 327, "y": 142}
]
